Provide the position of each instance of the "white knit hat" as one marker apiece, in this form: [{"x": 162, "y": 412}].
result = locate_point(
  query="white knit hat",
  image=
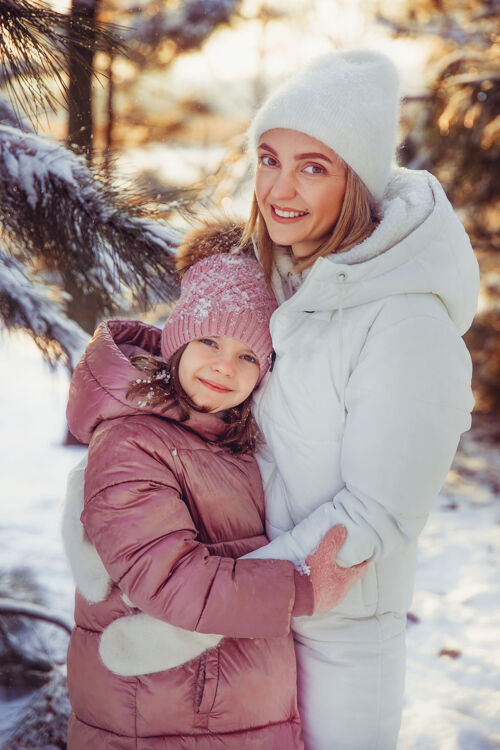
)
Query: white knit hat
[{"x": 349, "y": 102}]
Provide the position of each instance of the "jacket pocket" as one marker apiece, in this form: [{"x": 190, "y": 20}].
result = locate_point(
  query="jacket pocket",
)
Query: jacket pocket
[{"x": 206, "y": 686}]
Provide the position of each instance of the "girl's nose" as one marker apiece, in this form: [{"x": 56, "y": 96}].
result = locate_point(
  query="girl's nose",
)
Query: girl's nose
[{"x": 224, "y": 365}]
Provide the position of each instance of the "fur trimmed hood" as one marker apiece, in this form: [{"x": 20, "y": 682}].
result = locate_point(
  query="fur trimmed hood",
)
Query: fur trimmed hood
[{"x": 211, "y": 238}]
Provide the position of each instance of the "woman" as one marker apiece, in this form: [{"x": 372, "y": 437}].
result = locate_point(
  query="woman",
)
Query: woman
[{"x": 370, "y": 391}]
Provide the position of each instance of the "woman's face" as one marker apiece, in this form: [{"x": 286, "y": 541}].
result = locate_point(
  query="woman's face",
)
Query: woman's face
[
  {"x": 218, "y": 372},
  {"x": 300, "y": 185}
]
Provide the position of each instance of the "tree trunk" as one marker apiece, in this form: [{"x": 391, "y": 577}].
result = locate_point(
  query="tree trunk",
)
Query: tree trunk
[
  {"x": 110, "y": 117},
  {"x": 80, "y": 65},
  {"x": 82, "y": 307}
]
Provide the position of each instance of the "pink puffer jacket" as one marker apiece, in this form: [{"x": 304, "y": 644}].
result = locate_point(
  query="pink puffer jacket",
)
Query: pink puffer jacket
[{"x": 169, "y": 511}]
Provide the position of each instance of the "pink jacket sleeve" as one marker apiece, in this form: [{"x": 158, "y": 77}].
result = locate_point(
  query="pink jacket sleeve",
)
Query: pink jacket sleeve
[{"x": 146, "y": 538}]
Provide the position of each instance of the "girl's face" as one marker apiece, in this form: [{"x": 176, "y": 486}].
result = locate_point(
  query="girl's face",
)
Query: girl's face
[
  {"x": 300, "y": 185},
  {"x": 218, "y": 372}
]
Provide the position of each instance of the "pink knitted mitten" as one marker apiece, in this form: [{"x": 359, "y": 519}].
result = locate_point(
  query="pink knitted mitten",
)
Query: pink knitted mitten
[{"x": 322, "y": 583}]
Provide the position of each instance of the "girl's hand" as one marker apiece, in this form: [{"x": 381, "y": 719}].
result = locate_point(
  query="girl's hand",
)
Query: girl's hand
[{"x": 322, "y": 584}]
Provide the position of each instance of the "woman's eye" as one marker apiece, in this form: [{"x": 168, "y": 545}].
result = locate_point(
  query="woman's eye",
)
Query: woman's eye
[
  {"x": 268, "y": 161},
  {"x": 314, "y": 169}
]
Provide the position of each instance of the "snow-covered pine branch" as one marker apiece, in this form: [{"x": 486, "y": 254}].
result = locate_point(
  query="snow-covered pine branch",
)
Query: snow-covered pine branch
[
  {"x": 9, "y": 117},
  {"x": 53, "y": 210},
  {"x": 187, "y": 25},
  {"x": 25, "y": 304}
]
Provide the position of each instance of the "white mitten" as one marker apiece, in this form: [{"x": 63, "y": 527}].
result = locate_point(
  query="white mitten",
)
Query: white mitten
[
  {"x": 140, "y": 644},
  {"x": 90, "y": 576}
]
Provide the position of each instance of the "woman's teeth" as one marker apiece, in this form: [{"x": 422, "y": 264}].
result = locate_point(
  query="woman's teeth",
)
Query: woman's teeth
[{"x": 289, "y": 214}]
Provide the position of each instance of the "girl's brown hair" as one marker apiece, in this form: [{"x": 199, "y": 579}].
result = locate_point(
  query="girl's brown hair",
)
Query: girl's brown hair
[
  {"x": 161, "y": 387},
  {"x": 359, "y": 215}
]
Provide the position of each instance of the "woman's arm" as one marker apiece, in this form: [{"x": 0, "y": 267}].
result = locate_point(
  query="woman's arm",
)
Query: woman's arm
[{"x": 408, "y": 400}]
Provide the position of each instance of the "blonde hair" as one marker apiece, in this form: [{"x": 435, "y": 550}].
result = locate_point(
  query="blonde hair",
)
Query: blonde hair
[{"x": 358, "y": 217}]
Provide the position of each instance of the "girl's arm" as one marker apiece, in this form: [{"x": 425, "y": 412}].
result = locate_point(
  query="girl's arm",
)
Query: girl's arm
[
  {"x": 135, "y": 516},
  {"x": 408, "y": 400}
]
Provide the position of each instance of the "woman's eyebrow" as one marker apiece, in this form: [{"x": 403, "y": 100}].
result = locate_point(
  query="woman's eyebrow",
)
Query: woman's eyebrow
[
  {"x": 313, "y": 155},
  {"x": 267, "y": 148},
  {"x": 310, "y": 155}
]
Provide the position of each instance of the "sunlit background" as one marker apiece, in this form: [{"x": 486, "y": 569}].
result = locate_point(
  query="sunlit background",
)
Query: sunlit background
[
  {"x": 168, "y": 117},
  {"x": 180, "y": 117}
]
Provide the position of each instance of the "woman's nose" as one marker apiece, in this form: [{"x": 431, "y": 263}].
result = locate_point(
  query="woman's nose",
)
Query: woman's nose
[{"x": 284, "y": 186}]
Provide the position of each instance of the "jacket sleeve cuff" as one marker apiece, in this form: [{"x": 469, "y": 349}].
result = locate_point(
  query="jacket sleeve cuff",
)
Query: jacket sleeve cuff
[{"x": 304, "y": 595}]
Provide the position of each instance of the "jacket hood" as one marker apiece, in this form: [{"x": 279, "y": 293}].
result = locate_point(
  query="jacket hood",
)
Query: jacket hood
[
  {"x": 102, "y": 378},
  {"x": 419, "y": 247}
]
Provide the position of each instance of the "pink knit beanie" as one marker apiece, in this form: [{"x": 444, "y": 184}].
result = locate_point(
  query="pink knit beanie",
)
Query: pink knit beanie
[{"x": 223, "y": 295}]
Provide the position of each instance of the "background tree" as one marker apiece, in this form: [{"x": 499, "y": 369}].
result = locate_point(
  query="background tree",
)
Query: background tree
[
  {"x": 98, "y": 246},
  {"x": 73, "y": 246},
  {"x": 63, "y": 224},
  {"x": 455, "y": 132},
  {"x": 80, "y": 69},
  {"x": 152, "y": 36}
]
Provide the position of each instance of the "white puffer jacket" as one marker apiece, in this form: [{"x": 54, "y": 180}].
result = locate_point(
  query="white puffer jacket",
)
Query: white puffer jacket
[{"x": 369, "y": 395}]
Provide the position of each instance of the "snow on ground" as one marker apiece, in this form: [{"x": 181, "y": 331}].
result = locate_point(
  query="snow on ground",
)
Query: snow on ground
[
  {"x": 453, "y": 683},
  {"x": 34, "y": 468}
]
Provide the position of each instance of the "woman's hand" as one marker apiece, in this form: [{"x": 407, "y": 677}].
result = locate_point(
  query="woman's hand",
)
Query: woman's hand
[{"x": 321, "y": 583}]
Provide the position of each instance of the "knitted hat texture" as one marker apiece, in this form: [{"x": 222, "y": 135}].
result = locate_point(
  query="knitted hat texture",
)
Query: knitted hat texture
[
  {"x": 222, "y": 295},
  {"x": 348, "y": 101}
]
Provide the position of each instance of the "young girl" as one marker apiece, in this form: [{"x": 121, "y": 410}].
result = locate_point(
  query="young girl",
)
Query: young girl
[{"x": 173, "y": 497}]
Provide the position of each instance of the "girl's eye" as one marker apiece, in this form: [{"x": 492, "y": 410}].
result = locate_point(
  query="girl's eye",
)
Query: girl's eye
[
  {"x": 208, "y": 342},
  {"x": 314, "y": 169},
  {"x": 251, "y": 358},
  {"x": 268, "y": 161}
]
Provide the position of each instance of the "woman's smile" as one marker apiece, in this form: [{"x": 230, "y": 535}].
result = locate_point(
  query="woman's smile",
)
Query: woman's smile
[{"x": 287, "y": 215}]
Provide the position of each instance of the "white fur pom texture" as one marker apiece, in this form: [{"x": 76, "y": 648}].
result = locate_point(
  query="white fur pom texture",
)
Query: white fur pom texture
[
  {"x": 90, "y": 576},
  {"x": 140, "y": 644}
]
